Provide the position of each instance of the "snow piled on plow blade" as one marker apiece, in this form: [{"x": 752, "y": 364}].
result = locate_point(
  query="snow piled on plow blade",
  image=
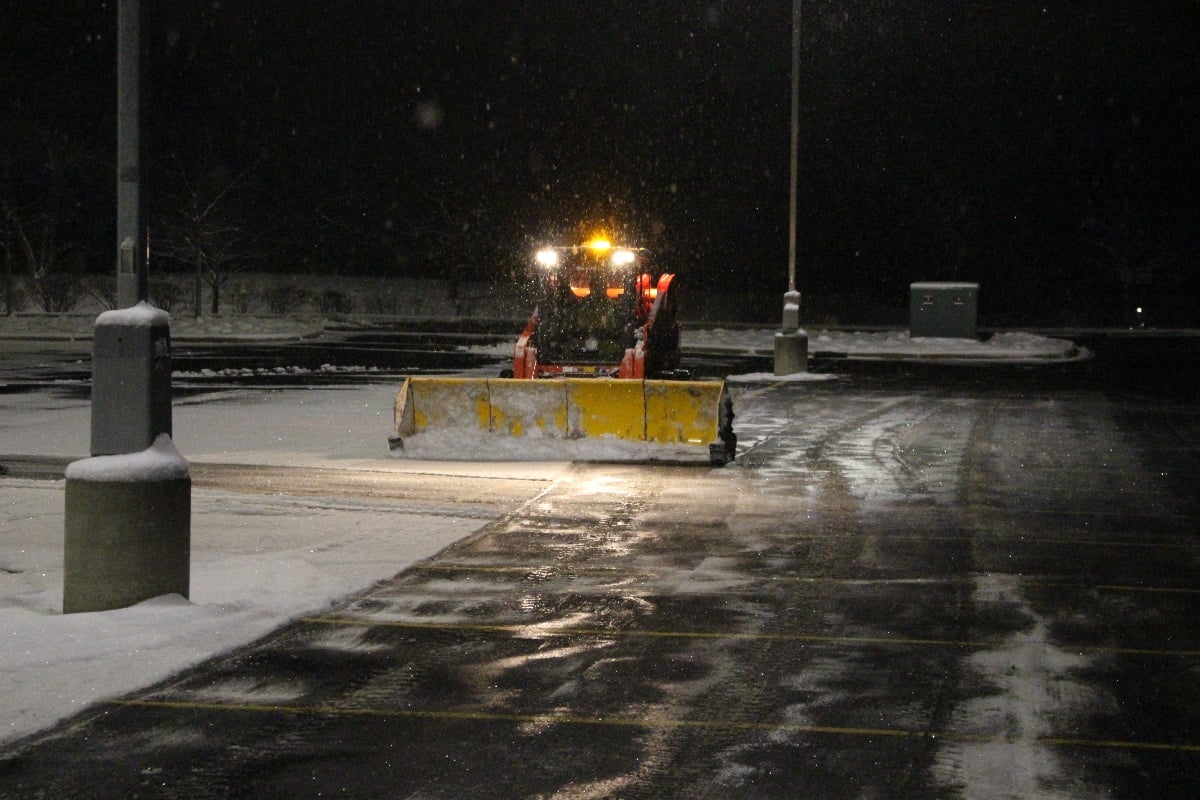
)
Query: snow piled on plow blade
[{"x": 568, "y": 419}]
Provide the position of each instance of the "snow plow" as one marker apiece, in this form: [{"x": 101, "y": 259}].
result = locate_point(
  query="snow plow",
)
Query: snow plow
[{"x": 595, "y": 377}]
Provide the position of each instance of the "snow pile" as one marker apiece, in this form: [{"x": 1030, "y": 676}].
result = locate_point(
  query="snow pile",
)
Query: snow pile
[
  {"x": 459, "y": 444},
  {"x": 142, "y": 315},
  {"x": 159, "y": 462}
]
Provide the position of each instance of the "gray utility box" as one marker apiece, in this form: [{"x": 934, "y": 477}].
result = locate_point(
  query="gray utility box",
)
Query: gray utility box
[
  {"x": 943, "y": 310},
  {"x": 131, "y": 380}
]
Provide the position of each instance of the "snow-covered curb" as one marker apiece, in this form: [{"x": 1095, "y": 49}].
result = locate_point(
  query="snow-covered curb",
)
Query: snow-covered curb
[
  {"x": 1010, "y": 347},
  {"x": 892, "y": 345},
  {"x": 80, "y": 327}
]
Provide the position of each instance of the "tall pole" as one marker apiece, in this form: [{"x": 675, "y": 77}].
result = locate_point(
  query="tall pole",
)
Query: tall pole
[
  {"x": 128, "y": 536},
  {"x": 131, "y": 245},
  {"x": 795, "y": 146},
  {"x": 791, "y": 343}
]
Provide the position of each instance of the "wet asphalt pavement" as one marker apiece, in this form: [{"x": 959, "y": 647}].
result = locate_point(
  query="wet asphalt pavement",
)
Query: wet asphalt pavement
[{"x": 911, "y": 584}]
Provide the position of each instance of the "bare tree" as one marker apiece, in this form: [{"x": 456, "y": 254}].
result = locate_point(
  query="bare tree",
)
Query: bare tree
[
  {"x": 11, "y": 293},
  {"x": 451, "y": 230},
  {"x": 204, "y": 227},
  {"x": 39, "y": 170}
]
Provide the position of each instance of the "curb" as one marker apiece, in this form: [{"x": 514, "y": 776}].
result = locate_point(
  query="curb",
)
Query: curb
[{"x": 248, "y": 338}]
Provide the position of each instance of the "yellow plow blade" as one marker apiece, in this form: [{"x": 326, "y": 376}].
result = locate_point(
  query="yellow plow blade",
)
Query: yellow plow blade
[
  {"x": 605, "y": 407},
  {"x": 577, "y": 419}
]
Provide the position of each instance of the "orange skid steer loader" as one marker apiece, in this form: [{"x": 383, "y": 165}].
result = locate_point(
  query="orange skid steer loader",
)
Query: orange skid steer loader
[{"x": 595, "y": 376}]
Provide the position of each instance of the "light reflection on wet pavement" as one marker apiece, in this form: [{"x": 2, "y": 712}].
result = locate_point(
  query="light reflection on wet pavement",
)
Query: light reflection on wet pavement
[{"x": 891, "y": 594}]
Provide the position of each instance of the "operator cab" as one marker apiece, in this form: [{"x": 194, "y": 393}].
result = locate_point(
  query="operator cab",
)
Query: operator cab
[{"x": 588, "y": 305}]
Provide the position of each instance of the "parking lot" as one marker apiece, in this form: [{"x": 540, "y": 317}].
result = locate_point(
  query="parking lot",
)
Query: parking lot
[{"x": 903, "y": 588}]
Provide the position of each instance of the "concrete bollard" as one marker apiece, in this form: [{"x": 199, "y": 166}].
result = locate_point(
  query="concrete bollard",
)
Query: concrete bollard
[
  {"x": 128, "y": 528},
  {"x": 791, "y": 343},
  {"x": 131, "y": 379},
  {"x": 791, "y": 353}
]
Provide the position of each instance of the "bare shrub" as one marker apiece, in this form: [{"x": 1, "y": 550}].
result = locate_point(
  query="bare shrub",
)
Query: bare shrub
[
  {"x": 287, "y": 299},
  {"x": 170, "y": 297},
  {"x": 381, "y": 302},
  {"x": 14, "y": 297},
  {"x": 60, "y": 292},
  {"x": 333, "y": 301}
]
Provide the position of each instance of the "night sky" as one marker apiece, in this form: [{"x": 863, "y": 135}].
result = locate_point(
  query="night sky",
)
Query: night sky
[{"x": 1048, "y": 150}]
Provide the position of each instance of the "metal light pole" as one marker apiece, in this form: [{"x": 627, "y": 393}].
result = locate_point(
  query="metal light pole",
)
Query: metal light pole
[
  {"x": 128, "y": 521},
  {"x": 131, "y": 245},
  {"x": 795, "y": 149},
  {"x": 791, "y": 343}
]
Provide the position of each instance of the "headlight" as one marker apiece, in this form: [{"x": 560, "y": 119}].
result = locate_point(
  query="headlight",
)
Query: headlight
[
  {"x": 623, "y": 258},
  {"x": 547, "y": 257}
]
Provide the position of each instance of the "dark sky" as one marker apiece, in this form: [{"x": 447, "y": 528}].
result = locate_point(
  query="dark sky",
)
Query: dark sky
[{"x": 1048, "y": 150}]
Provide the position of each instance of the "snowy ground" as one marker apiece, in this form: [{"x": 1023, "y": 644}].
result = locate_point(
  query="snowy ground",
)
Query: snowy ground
[
  {"x": 258, "y": 561},
  {"x": 255, "y": 562}
]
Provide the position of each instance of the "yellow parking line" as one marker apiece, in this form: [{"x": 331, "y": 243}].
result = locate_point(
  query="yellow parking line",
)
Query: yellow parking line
[
  {"x": 616, "y": 572},
  {"x": 1108, "y": 587},
  {"x": 987, "y": 537},
  {"x": 492, "y": 716},
  {"x": 631, "y": 722},
  {"x": 547, "y": 629},
  {"x": 1004, "y": 539},
  {"x": 1083, "y": 512},
  {"x": 1118, "y": 744}
]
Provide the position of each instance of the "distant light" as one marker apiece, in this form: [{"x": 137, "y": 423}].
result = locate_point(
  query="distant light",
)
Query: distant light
[
  {"x": 429, "y": 115},
  {"x": 547, "y": 257},
  {"x": 1139, "y": 309},
  {"x": 622, "y": 258}
]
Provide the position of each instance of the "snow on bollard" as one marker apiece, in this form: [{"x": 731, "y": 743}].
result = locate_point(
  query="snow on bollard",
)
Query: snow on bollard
[{"x": 128, "y": 528}]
